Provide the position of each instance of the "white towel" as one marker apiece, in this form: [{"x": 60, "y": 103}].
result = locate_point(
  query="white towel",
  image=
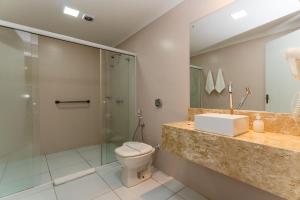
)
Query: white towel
[
  {"x": 209, "y": 87},
  {"x": 293, "y": 57},
  {"x": 220, "y": 83}
]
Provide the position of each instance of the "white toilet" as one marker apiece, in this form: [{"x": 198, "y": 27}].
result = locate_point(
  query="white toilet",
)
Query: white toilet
[{"x": 136, "y": 160}]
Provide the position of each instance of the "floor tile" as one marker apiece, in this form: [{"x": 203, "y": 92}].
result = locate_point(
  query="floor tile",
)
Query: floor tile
[
  {"x": 45, "y": 191},
  {"x": 148, "y": 190},
  {"x": 64, "y": 171},
  {"x": 26, "y": 161},
  {"x": 94, "y": 163},
  {"x": 112, "y": 164},
  {"x": 85, "y": 188},
  {"x": 47, "y": 194},
  {"x": 94, "y": 154},
  {"x": 20, "y": 154},
  {"x": 61, "y": 154},
  {"x": 88, "y": 148},
  {"x": 63, "y": 159},
  {"x": 43, "y": 195},
  {"x": 176, "y": 197},
  {"x": 11, "y": 187},
  {"x": 111, "y": 175},
  {"x": 24, "y": 174},
  {"x": 108, "y": 196},
  {"x": 168, "y": 181},
  {"x": 189, "y": 194},
  {"x": 2, "y": 167},
  {"x": 24, "y": 168}
]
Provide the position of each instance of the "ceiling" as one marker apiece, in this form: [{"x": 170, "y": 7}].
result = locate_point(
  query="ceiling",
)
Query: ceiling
[
  {"x": 115, "y": 20},
  {"x": 282, "y": 25},
  {"x": 219, "y": 26}
]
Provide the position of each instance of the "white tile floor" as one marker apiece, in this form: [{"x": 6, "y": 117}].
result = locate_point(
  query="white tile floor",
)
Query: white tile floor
[
  {"x": 22, "y": 174},
  {"x": 105, "y": 184}
]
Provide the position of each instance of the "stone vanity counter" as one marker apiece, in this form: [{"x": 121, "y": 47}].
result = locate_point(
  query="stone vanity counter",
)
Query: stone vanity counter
[{"x": 268, "y": 161}]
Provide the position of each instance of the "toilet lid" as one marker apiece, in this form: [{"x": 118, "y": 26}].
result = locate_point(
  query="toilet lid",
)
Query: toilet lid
[{"x": 130, "y": 149}]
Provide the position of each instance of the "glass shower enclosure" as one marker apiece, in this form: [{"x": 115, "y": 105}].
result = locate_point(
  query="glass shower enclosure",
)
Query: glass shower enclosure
[
  {"x": 118, "y": 101},
  {"x": 20, "y": 163},
  {"x": 23, "y": 161},
  {"x": 196, "y": 86}
]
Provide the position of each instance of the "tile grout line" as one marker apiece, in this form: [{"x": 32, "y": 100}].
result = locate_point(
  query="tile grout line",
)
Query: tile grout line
[
  {"x": 3, "y": 172},
  {"x": 108, "y": 185},
  {"x": 177, "y": 193},
  {"x": 72, "y": 164},
  {"x": 51, "y": 178},
  {"x": 174, "y": 193},
  {"x": 48, "y": 168},
  {"x": 85, "y": 160}
]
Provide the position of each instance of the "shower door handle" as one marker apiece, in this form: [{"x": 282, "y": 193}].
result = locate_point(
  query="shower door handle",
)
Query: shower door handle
[{"x": 267, "y": 98}]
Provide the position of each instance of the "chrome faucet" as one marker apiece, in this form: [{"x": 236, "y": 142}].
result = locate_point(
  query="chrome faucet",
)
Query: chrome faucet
[
  {"x": 243, "y": 100},
  {"x": 230, "y": 97}
]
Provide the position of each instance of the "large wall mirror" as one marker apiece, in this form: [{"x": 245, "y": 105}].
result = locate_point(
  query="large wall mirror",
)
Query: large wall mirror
[{"x": 253, "y": 46}]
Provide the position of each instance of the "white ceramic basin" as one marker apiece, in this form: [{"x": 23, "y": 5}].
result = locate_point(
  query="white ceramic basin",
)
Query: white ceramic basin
[{"x": 224, "y": 124}]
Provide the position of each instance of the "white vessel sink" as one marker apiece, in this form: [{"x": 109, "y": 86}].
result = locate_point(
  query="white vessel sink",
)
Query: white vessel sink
[{"x": 224, "y": 124}]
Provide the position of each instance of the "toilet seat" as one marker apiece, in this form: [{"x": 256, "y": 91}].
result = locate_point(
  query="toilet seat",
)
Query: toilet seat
[{"x": 133, "y": 149}]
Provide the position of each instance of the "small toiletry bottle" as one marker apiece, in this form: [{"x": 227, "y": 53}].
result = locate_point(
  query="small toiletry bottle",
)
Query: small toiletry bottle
[{"x": 258, "y": 124}]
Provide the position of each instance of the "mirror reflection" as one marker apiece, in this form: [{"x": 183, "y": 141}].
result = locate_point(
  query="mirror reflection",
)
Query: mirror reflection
[{"x": 251, "y": 55}]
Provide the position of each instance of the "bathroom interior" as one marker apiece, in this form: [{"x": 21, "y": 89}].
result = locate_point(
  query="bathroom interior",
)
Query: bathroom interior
[{"x": 150, "y": 100}]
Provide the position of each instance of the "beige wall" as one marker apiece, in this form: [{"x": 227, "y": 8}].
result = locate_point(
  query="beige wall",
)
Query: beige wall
[
  {"x": 68, "y": 71},
  {"x": 244, "y": 65},
  {"x": 163, "y": 60}
]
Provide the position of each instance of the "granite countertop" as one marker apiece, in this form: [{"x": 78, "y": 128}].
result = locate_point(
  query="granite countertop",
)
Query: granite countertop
[
  {"x": 268, "y": 161},
  {"x": 281, "y": 141}
]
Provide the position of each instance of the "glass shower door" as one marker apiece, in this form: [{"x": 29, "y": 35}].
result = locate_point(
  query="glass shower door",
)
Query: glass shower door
[
  {"x": 118, "y": 101},
  {"x": 19, "y": 148},
  {"x": 196, "y": 87}
]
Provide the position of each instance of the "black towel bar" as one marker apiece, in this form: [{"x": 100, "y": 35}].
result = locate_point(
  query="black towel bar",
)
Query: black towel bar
[{"x": 58, "y": 102}]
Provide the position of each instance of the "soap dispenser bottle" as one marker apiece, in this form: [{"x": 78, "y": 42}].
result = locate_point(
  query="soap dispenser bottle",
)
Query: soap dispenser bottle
[{"x": 258, "y": 124}]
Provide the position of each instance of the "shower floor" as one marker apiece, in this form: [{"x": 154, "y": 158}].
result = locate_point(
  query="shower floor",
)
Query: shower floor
[{"x": 23, "y": 174}]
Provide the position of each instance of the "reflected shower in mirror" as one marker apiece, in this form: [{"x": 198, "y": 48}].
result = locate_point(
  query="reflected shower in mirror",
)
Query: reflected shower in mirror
[
  {"x": 196, "y": 86},
  {"x": 257, "y": 52}
]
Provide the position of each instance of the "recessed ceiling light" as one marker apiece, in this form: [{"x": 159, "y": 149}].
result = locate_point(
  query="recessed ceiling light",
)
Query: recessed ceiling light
[
  {"x": 239, "y": 14},
  {"x": 71, "y": 11}
]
